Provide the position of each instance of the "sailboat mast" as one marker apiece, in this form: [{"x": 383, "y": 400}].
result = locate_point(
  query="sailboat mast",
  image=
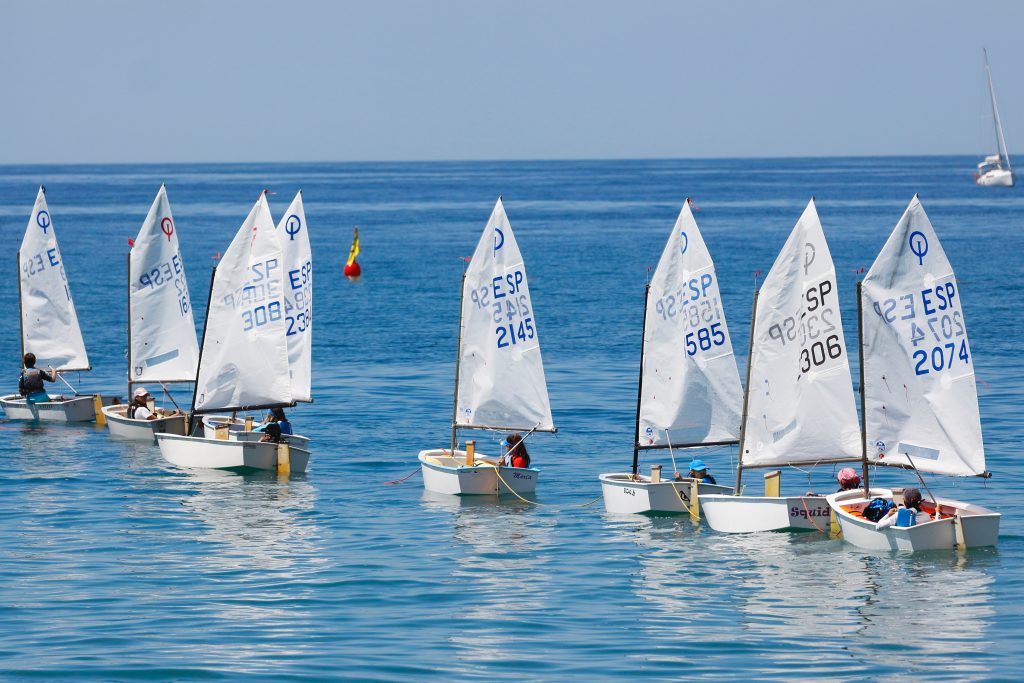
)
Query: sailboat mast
[
  {"x": 1000, "y": 143},
  {"x": 21, "y": 314},
  {"x": 746, "y": 396},
  {"x": 863, "y": 393},
  {"x": 129, "y": 326},
  {"x": 640, "y": 384},
  {"x": 458, "y": 359},
  {"x": 202, "y": 343}
]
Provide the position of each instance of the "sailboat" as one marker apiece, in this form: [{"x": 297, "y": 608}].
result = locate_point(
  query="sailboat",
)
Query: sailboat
[
  {"x": 919, "y": 402},
  {"x": 243, "y": 359},
  {"x": 49, "y": 323},
  {"x": 688, "y": 393},
  {"x": 162, "y": 346},
  {"x": 798, "y": 407},
  {"x": 499, "y": 375},
  {"x": 995, "y": 170},
  {"x": 298, "y": 314}
]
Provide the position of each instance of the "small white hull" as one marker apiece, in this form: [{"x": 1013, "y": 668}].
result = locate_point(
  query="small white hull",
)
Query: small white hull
[
  {"x": 59, "y": 409},
  {"x": 444, "y": 474},
  {"x": 979, "y": 527},
  {"x": 624, "y": 495},
  {"x": 996, "y": 178},
  {"x": 124, "y": 427},
  {"x": 750, "y": 514},
  {"x": 198, "y": 452}
]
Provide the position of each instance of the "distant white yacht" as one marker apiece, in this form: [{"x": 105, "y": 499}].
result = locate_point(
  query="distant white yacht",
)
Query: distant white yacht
[{"x": 995, "y": 170}]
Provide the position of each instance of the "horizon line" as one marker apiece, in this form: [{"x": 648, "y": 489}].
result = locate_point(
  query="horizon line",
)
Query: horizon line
[{"x": 489, "y": 161}]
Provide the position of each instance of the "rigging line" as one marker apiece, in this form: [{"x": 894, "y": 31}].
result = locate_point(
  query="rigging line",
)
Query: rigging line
[
  {"x": 399, "y": 481},
  {"x": 497, "y": 473},
  {"x": 675, "y": 468},
  {"x": 61, "y": 378},
  {"x": 168, "y": 394},
  {"x": 803, "y": 500}
]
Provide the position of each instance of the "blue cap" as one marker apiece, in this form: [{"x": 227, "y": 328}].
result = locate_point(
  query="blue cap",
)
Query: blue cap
[
  {"x": 697, "y": 465},
  {"x": 504, "y": 442}
]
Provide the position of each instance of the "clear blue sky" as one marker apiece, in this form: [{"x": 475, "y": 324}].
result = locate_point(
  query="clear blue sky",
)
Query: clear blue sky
[{"x": 294, "y": 80}]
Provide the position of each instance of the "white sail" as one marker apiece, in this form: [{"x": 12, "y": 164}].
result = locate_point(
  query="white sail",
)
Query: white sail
[
  {"x": 920, "y": 395},
  {"x": 245, "y": 355},
  {"x": 691, "y": 386},
  {"x": 1000, "y": 141},
  {"x": 163, "y": 331},
  {"x": 801, "y": 407},
  {"x": 501, "y": 376},
  {"x": 298, "y": 297},
  {"x": 49, "y": 323}
]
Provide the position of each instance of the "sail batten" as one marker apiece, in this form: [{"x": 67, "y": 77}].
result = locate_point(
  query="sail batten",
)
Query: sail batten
[
  {"x": 690, "y": 383},
  {"x": 49, "y": 322},
  {"x": 920, "y": 394},
  {"x": 501, "y": 374},
  {"x": 801, "y": 408},
  {"x": 245, "y": 353},
  {"x": 298, "y": 297},
  {"x": 163, "y": 344}
]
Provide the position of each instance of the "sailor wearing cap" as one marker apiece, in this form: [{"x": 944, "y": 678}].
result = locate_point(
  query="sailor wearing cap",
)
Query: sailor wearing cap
[
  {"x": 138, "y": 409},
  {"x": 699, "y": 471}
]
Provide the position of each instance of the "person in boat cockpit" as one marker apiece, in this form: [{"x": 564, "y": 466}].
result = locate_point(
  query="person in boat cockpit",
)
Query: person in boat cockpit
[
  {"x": 30, "y": 384},
  {"x": 912, "y": 503},
  {"x": 699, "y": 471},
  {"x": 138, "y": 409},
  {"x": 277, "y": 418},
  {"x": 515, "y": 452}
]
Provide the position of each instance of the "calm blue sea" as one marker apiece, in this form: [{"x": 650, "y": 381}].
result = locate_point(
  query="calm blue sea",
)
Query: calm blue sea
[{"x": 115, "y": 566}]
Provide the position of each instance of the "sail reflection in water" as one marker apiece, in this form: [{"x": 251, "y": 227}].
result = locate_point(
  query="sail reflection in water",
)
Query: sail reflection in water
[{"x": 503, "y": 551}]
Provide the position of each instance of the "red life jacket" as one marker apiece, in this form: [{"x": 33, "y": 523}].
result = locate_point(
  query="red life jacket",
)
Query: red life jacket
[{"x": 520, "y": 461}]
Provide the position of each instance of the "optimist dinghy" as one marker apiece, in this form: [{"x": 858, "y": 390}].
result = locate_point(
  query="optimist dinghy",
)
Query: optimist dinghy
[
  {"x": 798, "y": 406},
  {"x": 689, "y": 388},
  {"x": 499, "y": 375},
  {"x": 919, "y": 402},
  {"x": 162, "y": 346},
  {"x": 243, "y": 360},
  {"x": 49, "y": 324},
  {"x": 298, "y": 311}
]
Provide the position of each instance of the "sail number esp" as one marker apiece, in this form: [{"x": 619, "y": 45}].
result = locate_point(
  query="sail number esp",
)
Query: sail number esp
[
  {"x": 813, "y": 328},
  {"x": 931, "y": 320},
  {"x": 165, "y": 273},
  {"x": 699, "y": 314},
  {"x": 509, "y": 304}
]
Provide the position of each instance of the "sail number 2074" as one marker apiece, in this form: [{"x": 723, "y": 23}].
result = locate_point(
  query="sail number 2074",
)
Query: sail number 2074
[{"x": 933, "y": 323}]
